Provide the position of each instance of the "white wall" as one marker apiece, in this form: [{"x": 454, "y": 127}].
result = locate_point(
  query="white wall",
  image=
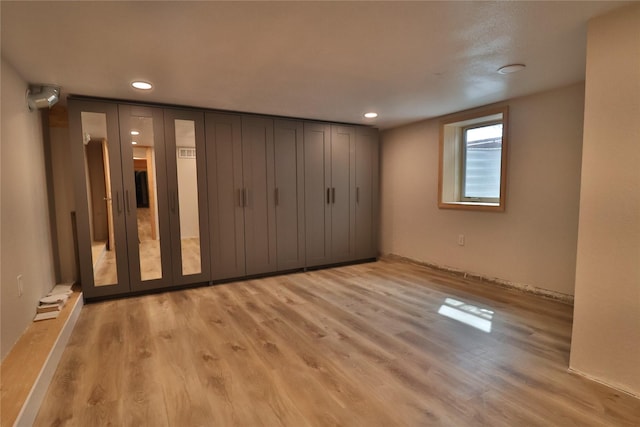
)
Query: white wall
[
  {"x": 606, "y": 328},
  {"x": 25, "y": 243},
  {"x": 534, "y": 241}
]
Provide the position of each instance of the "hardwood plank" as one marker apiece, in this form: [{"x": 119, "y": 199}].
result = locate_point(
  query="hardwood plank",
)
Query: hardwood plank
[
  {"x": 355, "y": 345},
  {"x": 21, "y": 367},
  {"x": 144, "y": 405}
]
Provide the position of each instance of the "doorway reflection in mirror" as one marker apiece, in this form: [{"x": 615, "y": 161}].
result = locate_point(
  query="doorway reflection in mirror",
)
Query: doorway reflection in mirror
[{"x": 100, "y": 198}]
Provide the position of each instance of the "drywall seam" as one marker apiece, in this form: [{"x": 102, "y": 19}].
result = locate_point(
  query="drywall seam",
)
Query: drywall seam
[
  {"x": 31, "y": 406},
  {"x": 540, "y": 292}
]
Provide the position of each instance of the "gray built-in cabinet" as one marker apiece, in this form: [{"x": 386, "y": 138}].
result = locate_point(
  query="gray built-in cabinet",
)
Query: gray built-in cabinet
[
  {"x": 289, "y": 194},
  {"x": 329, "y": 160},
  {"x": 167, "y": 197},
  {"x": 367, "y": 193},
  {"x": 226, "y": 196},
  {"x": 255, "y": 187},
  {"x": 139, "y": 198},
  {"x": 341, "y": 193}
]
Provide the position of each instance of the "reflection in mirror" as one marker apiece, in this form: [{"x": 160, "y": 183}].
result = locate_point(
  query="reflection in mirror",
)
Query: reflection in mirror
[
  {"x": 100, "y": 198},
  {"x": 144, "y": 165},
  {"x": 188, "y": 196}
]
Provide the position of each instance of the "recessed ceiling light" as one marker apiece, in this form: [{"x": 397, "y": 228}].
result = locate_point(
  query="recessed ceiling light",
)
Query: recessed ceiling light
[
  {"x": 135, "y": 132},
  {"x": 134, "y": 142},
  {"x": 371, "y": 115},
  {"x": 142, "y": 85},
  {"x": 511, "y": 68}
]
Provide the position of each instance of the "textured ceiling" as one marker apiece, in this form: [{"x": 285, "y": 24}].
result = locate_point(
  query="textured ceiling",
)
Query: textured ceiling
[{"x": 323, "y": 60}]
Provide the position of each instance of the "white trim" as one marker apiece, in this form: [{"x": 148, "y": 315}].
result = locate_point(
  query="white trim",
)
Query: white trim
[
  {"x": 480, "y": 203},
  {"x": 31, "y": 406}
]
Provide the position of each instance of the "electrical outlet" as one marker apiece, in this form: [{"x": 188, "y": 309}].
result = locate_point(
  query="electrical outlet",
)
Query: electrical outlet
[
  {"x": 20, "y": 288},
  {"x": 461, "y": 239}
]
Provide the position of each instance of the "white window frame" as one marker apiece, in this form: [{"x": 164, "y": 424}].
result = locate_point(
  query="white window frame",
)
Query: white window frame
[
  {"x": 463, "y": 163},
  {"x": 452, "y": 166}
]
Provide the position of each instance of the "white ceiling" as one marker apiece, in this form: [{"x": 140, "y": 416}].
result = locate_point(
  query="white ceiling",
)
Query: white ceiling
[{"x": 324, "y": 60}]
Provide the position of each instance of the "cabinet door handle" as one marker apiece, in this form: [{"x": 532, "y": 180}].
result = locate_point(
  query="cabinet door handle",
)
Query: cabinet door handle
[
  {"x": 128, "y": 203},
  {"x": 328, "y": 195},
  {"x": 239, "y": 198},
  {"x": 333, "y": 195},
  {"x": 244, "y": 197},
  {"x": 276, "y": 196},
  {"x": 357, "y": 194}
]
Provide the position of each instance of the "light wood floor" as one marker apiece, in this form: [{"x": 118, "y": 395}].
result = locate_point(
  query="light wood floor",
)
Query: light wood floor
[
  {"x": 353, "y": 346},
  {"x": 20, "y": 369}
]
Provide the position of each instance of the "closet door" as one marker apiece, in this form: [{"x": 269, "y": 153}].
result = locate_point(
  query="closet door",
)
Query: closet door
[
  {"x": 367, "y": 183},
  {"x": 342, "y": 193},
  {"x": 146, "y": 197},
  {"x": 258, "y": 193},
  {"x": 99, "y": 195},
  {"x": 317, "y": 193},
  {"x": 289, "y": 194},
  {"x": 188, "y": 206},
  {"x": 226, "y": 195}
]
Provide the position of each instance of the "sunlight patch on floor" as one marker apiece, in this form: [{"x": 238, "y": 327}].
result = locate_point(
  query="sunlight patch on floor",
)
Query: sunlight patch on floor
[{"x": 479, "y": 318}]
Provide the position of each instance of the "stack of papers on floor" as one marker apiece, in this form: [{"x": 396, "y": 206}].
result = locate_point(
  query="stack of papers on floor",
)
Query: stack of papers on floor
[{"x": 51, "y": 305}]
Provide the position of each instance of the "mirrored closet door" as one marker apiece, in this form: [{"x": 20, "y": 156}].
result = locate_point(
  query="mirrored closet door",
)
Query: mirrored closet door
[
  {"x": 100, "y": 198},
  {"x": 186, "y": 171},
  {"x": 142, "y": 210},
  {"x": 146, "y": 204}
]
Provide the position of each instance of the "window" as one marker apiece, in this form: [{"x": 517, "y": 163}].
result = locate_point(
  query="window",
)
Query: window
[{"x": 473, "y": 160}]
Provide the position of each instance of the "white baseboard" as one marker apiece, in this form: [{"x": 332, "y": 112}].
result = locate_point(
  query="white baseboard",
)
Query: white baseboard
[
  {"x": 545, "y": 293},
  {"x": 31, "y": 406}
]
